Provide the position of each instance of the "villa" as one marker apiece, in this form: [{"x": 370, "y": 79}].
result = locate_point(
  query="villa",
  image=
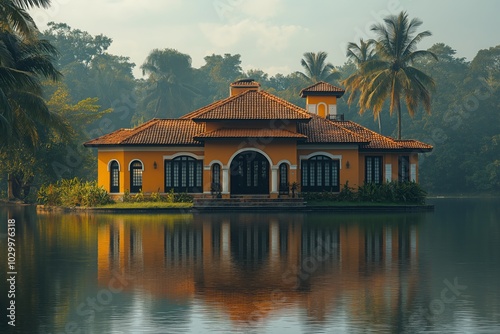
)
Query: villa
[{"x": 254, "y": 143}]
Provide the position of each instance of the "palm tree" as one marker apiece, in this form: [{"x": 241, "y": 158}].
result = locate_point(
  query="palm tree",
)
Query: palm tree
[
  {"x": 359, "y": 54},
  {"x": 24, "y": 115},
  {"x": 23, "y": 111},
  {"x": 391, "y": 75},
  {"x": 316, "y": 68},
  {"x": 14, "y": 16},
  {"x": 169, "y": 89}
]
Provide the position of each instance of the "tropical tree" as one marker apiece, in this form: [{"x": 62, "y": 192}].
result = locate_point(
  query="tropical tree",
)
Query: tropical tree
[
  {"x": 169, "y": 86},
  {"x": 25, "y": 118},
  {"x": 75, "y": 45},
  {"x": 14, "y": 16},
  {"x": 55, "y": 156},
  {"x": 392, "y": 74},
  {"x": 23, "y": 64},
  {"x": 317, "y": 69},
  {"x": 217, "y": 73},
  {"x": 359, "y": 54},
  {"x": 89, "y": 71}
]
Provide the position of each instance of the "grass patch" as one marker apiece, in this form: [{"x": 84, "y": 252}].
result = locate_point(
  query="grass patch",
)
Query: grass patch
[{"x": 147, "y": 205}]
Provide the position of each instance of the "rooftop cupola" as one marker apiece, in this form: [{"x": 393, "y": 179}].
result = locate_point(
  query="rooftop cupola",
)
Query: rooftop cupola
[
  {"x": 321, "y": 99},
  {"x": 243, "y": 85}
]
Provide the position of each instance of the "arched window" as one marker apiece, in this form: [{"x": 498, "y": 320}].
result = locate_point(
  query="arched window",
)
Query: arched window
[
  {"x": 135, "y": 176},
  {"x": 184, "y": 174},
  {"x": 114, "y": 177},
  {"x": 320, "y": 173},
  {"x": 216, "y": 184},
  {"x": 284, "y": 186}
]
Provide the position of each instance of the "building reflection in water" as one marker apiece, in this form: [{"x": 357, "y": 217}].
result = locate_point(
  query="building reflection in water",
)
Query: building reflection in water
[{"x": 253, "y": 265}]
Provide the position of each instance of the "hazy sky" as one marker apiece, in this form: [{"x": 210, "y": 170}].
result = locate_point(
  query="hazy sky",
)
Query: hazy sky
[{"x": 270, "y": 35}]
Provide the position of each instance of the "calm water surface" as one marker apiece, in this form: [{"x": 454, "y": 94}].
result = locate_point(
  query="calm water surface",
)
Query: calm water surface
[{"x": 290, "y": 273}]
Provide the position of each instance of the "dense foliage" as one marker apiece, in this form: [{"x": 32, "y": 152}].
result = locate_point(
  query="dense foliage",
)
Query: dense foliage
[
  {"x": 72, "y": 193},
  {"x": 387, "y": 193},
  {"x": 170, "y": 197},
  {"x": 99, "y": 94}
]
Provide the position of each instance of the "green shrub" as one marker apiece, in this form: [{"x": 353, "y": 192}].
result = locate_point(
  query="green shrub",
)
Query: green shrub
[
  {"x": 126, "y": 196},
  {"x": 73, "y": 192},
  {"x": 183, "y": 198},
  {"x": 347, "y": 194},
  {"x": 392, "y": 192},
  {"x": 138, "y": 197},
  {"x": 155, "y": 197}
]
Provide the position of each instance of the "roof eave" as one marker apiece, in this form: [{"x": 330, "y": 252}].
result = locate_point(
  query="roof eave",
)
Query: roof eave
[
  {"x": 252, "y": 137},
  {"x": 337, "y": 94},
  {"x": 400, "y": 150},
  {"x": 140, "y": 145},
  {"x": 202, "y": 120}
]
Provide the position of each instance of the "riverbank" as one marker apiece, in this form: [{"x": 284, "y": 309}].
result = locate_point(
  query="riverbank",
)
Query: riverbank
[{"x": 186, "y": 208}]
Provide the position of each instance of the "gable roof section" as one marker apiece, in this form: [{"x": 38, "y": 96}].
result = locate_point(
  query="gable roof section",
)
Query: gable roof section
[
  {"x": 156, "y": 132},
  {"x": 414, "y": 144},
  {"x": 250, "y": 105},
  {"x": 321, "y": 131},
  {"x": 322, "y": 88},
  {"x": 377, "y": 141}
]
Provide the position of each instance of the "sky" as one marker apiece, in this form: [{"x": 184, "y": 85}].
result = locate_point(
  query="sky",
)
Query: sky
[{"x": 271, "y": 35}]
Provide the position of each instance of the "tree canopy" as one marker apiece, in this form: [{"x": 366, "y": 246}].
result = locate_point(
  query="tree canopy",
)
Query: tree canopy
[
  {"x": 98, "y": 94},
  {"x": 391, "y": 75}
]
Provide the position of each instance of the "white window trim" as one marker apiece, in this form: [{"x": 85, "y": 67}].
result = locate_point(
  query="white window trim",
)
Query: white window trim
[
  {"x": 130, "y": 164},
  {"x": 119, "y": 166}
]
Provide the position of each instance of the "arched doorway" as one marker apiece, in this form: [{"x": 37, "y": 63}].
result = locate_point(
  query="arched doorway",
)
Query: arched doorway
[{"x": 249, "y": 174}]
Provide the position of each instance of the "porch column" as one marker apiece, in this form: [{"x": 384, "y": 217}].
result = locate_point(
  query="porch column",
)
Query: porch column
[
  {"x": 274, "y": 180},
  {"x": 225, "y": 180}
]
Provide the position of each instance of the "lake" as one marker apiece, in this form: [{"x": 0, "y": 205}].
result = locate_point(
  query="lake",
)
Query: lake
[{"x": 432, "y": 272}]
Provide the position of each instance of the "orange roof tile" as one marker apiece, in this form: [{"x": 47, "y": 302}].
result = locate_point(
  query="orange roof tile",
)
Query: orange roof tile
[
  {"x": 413, "y": 144},
  {"x": 322, "y": 88},
  {"x": 378, "y": 141},
  {"x": 250, "y": 133},
  {"x": 255, "y": 105},
  {"x": 154, "y": 132},
  {"x": 320, "y": 130}
]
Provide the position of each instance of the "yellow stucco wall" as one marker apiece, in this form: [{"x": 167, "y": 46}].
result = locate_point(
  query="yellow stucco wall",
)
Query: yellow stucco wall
[
  {"x": 322, "y": 103},
  {"x": 152, "y": 179},
  {"x": 277, "y": 150}
]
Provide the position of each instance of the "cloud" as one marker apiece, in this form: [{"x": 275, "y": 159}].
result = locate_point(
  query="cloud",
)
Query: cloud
[
  {"x": 238, "y": 10},
  {"x": 262, "y": 9},
  {"x": 249, "y": 33}
]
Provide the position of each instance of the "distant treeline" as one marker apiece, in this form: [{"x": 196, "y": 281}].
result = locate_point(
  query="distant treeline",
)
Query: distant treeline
[{"x": 100, "y": 94}]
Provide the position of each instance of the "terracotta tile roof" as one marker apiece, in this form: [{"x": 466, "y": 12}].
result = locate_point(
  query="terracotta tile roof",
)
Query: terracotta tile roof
[
  {"x": 154, "y": 132},
  {"x": 378, "y": 141},
  {"x": 320, "y": 130},
  {"x": 250, "y": 133},
  {"x": 322, "y": 88},
  {"x": 413, "y": 144},
  {"x": 255, "y": 105}
]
